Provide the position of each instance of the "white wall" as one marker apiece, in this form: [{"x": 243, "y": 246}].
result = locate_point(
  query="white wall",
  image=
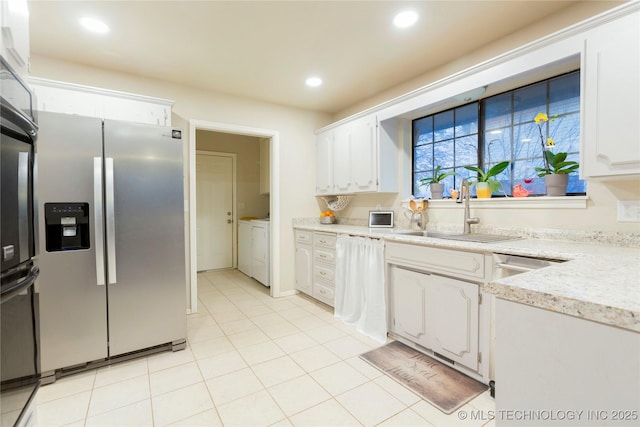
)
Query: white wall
[{"x": 296, "y": 134}]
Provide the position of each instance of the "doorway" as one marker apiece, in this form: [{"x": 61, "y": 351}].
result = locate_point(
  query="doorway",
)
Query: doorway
[
  {"x": 215, "y": 190},
  {"x": 274, "y": 200}
]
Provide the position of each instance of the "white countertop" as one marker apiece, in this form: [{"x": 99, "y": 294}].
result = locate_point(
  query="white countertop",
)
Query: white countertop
[{"x": 598, "y": 282}]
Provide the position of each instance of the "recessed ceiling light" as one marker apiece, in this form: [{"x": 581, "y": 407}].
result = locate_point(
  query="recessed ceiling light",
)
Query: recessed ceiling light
[
  {"x": 313, "y": 81},
  {"x": 405, "y": 19},
  {"x": 94, "y": 25}
]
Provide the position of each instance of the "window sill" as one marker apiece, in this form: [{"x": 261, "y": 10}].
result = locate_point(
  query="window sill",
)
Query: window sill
[{"x": 542, "y": 202}]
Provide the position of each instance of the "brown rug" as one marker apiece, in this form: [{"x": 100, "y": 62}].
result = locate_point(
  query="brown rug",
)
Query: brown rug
[{"x": 438, "y": 384}]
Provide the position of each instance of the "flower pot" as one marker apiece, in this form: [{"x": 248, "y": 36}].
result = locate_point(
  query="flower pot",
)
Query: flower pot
[
  {"x": 436, "y": 190},
  {"x": 556, "y": 184},
  {"x": 483, "y": 190}
]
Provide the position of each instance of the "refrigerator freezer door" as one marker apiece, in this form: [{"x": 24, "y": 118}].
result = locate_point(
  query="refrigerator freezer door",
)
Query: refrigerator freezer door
[
  {"x": 73, "y": 318},
  {"x": 147, "y": 303}
]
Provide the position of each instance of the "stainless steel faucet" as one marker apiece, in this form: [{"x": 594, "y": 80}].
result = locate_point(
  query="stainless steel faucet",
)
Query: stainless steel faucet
[{"x": 465, "y": 193}]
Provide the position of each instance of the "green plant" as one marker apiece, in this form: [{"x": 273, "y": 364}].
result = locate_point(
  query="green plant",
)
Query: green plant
[
  {"x": 437, "y": 177},
  {"x": 553, "y": 163},
  {"x": 557, "y": 164},
  {"x": 489, "y": 176}
]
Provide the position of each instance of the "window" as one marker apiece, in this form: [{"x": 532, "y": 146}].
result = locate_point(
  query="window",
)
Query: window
[{"x": 501, "y": 128}]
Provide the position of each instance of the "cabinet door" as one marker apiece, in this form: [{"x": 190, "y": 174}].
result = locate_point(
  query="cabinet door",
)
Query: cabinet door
[
  {"x": 452, "y": 319},
  {"x": 342, "y": 159},
  {"x": 611, "y": 101},
  {"x": 304, "y": 270},
  {"x": 409, "y": 293},
  {"x": 364, "y": 155},
  {"x": 14, "y": 20},
  {"x": 244, "y": 248},
  {"x": 324, "y": 163}
]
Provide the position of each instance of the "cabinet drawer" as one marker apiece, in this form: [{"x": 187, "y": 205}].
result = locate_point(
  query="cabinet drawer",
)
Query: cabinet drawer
[
  {"x": 324, "y": 293},
  {"x": 324, "y": 255},
  {"x": 451, "y": 262},
  {"x": 324, "y": 272},
  {"x": 325, "y": 240},
  {"x": 304, "y": 236}
]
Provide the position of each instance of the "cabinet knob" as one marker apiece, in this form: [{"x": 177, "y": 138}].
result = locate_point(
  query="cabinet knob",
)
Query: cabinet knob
[{"x": 229, "y": 221}]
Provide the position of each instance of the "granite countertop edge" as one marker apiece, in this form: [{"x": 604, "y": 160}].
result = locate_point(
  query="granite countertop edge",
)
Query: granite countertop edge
[{"x": 597, "y": 282}]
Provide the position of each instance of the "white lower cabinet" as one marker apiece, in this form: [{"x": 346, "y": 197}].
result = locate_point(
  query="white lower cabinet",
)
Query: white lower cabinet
[
  {"x": 438, "y": 313},
  {"x": 315, "y": 265},
  {"x": 438, "y": 306}
]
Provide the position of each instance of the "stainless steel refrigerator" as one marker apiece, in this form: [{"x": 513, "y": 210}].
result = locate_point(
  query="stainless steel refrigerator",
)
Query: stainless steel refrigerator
[{"x": 112, "y": 257}]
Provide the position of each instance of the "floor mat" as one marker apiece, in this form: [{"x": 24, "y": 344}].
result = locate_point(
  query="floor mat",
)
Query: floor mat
[{"x": 440, "y": 385}]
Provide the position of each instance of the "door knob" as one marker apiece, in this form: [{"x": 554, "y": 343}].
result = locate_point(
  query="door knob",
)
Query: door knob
[
  {"x": 229, "y": 221},
  {"x": 229, "y": 213}
]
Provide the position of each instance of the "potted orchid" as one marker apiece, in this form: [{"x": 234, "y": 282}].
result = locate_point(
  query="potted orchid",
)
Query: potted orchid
[
  {"x": 435, "y": 184},
  {"x": 556, "y": 168}
]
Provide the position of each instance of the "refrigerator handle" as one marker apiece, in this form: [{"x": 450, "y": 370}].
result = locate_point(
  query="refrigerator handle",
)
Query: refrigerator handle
[
  {"x": 111, "y": 221},
  {"x": 98, "y": 219}
]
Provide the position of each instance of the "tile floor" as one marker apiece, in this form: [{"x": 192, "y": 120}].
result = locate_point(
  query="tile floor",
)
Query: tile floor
[{"x": 251, "y": 360}]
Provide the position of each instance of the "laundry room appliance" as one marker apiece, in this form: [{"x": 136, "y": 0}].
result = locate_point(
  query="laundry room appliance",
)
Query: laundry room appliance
[{"x": 111, "y": 208}]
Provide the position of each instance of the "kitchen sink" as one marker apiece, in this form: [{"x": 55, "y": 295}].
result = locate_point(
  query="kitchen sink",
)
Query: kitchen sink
[{"x": 472, "y": 237}]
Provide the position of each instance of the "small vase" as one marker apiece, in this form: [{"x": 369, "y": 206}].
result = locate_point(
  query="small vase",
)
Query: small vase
[
  {"x": 483, "y": 190},
  {"x": 436, "y": 190},
  {"x": 556, "y": 184}
]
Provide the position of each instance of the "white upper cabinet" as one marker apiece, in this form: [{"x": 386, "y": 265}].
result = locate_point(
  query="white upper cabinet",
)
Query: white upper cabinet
[
  {"x": 350, "y": 158},
  {"x": 60, "y": 97},
  {"x": 324, "y": 162},
  {"x": 15, "y": 35},
  {"x": 611, "y": 100}
]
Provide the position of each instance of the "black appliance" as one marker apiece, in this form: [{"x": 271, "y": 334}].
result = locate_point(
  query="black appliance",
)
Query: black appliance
[{"x": 19, "y": 314}]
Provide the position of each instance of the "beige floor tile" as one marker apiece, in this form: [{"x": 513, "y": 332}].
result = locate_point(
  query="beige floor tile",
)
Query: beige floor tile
[
  {"x": 370, "y": 404},
  {"x": 268, "y": 319},
  {"x": 296, "y": 342},
  {"x": 204, "y": 333},
  {"x": 121, "y": 371},
  {"x": 118, "y": 395},
  {"x": 64, "y": 411},
  {"x": 438, "y": 418},
  {"x": 397, "y": 390},
  {"x": 328, "y": 413},
  {"x": 169, "y": 359},
  {"x": 221, "y": 364},
  {"x": 208, "y": 418},
  {"x": 314, "y": 358},
  {"x": 211, "y": 347},
  {"x": 279, "y": 330},
  {"x": 200, "y": 321},
  {"x": 310, "y": 322},
  {"x": 339, "y": 377},
  {"x": 298, "y": 394},
  {"x": 406, "y": 418},
  {"x": 243, "y": 339},
  {"x": 237, "y": 326},
  {"x": 226, "y": 315},
  {"x": 325, "y": 333},
  {"x": 347, "y": 347},
  {"x": 174, "y": 378},
  {"x": 235, "y": 385},
  {"x": 66, "y": 386},
  {"x": 364, "y": 367},
  {"x": 277, "y": 371},
  {"x": 137, "y": 414},
  {"x": 258, "y": 409},
  {"x": 181, "y": 404},
  {"x": 255, "y": 310},
  {"x": 294, "y": 313},
  {"x": 261, "y": 352}
]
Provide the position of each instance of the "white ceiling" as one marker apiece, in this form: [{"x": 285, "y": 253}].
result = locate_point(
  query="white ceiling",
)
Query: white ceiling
[{"x": 266, "y": 49}]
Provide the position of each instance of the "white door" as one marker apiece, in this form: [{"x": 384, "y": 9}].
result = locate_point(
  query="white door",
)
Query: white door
[{"x": 214, "y": 211}]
